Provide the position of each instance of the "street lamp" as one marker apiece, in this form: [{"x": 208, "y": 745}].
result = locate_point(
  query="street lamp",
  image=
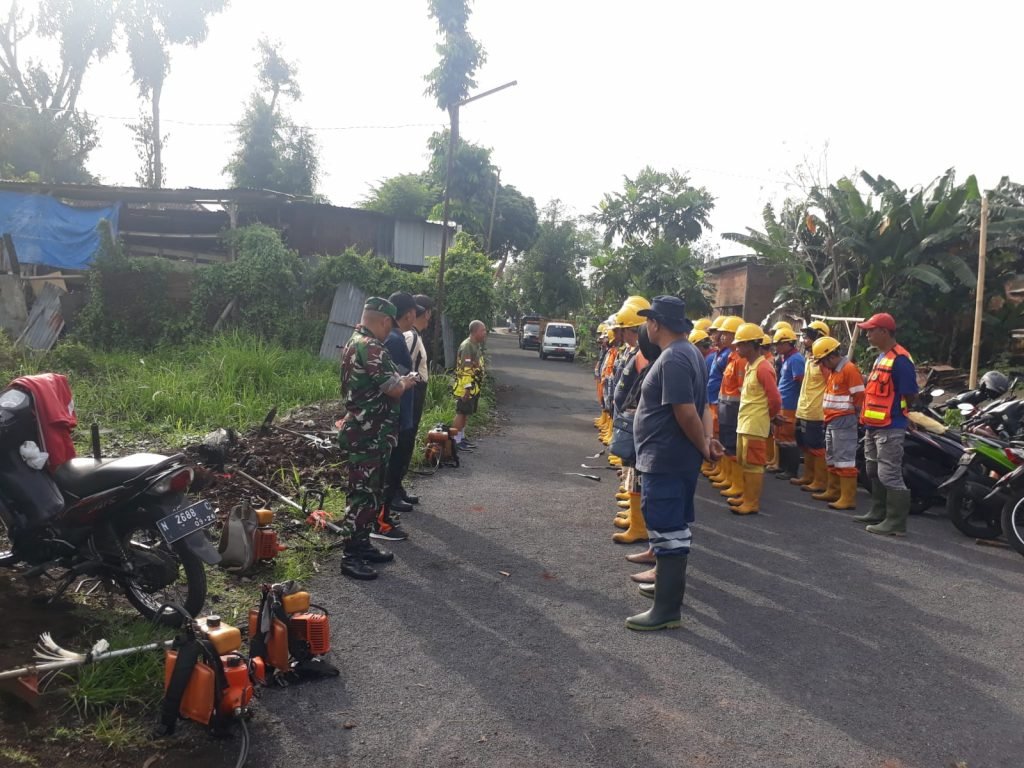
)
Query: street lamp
[{"x": 453, "y": 140}]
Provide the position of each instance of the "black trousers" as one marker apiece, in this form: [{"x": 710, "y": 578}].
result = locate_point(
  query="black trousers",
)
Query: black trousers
[{"x": 401, "y": 457}]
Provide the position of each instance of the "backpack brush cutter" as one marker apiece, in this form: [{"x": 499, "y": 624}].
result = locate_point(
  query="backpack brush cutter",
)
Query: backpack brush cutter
[{"x": 288, "y": 636}]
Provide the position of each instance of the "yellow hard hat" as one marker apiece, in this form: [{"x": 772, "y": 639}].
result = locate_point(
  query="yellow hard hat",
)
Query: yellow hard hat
[
  {"x": 612, "y": 322},
  {"x": 702, "y": 325},
  {"x": 628, "y": 317},
  {"x": 731, "y": 324},
  {"x": 610, "y": 333},
  {"x": 820, "y": 327},
  {"x": 766, "y": 340},
  {"x": 749, "y": 332},
  {"x": 602, "y": 328},
  {"x": 824, "y": 347},
  {"x": 697, "y": 336},
  {"x": 781, "y": 324},
  {"x": 784, "y": 334},
  {"x": 637, "y": 301}
]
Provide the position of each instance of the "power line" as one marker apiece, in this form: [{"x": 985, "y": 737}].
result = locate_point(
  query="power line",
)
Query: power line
[{"x": 191, "y": 123}]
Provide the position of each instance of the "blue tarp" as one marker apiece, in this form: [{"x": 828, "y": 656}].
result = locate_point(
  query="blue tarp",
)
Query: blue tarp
[{"x": 45, "y": 231}]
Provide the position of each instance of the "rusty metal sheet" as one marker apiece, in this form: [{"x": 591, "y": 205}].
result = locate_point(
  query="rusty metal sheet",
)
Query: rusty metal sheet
[
  {"x": 45, "y": 320},
  {"x": 346, "y": 310}
]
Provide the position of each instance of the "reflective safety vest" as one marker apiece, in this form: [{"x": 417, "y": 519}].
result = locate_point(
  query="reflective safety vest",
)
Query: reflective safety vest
[
  {"x": 732, "y": 380},
  {"x": 880, "y": 392},
  {"x": 843, "y": 383}
]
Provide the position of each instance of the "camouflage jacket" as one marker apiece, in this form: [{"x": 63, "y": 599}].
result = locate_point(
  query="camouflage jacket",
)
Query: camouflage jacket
[{"x": 371, "y": 417}]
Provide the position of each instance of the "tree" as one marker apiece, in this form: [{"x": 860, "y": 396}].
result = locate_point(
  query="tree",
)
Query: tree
[
  {"x": 146, "y": 144},
  {"x": 549, "y": 277},
  {"x": 273, "y": 152},
  {"x": 449, "y": 83},
  {"x": 151, "y": 28},
  {"x": 651, "y": 232},
  {"x": 43, "y": 131},
  {"x": 848, "y": 252},
  {"x": 408, "y": 195}
]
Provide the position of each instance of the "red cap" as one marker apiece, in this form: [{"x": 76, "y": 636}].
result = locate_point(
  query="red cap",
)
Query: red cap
[{"x": 881, "y": 320}]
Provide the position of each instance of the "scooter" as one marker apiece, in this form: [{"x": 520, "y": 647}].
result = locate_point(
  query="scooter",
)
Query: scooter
[
  {"x": 1010, "y": 489},
  {"x": 115, "y": 521}
]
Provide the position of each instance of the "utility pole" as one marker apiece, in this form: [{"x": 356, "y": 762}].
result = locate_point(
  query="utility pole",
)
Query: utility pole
[
  {"x": 494, "y": 207},
  {"x": 453, "y": 142},
  {"x": 979, "y": 299}
]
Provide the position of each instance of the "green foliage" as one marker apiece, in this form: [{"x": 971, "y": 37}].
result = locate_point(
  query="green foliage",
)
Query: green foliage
[
  {"x": 135, "y": 681},
  {"x": 365, "y": 271},
  {"x": 273, "y": 152},
  {"x": 549, "y": 277},
  {"x": 265, "y": 283},
  {"x": 469, "y": 285},
  {"x": 227, "y": 381},
  {"x": 656, "y": 222},
  {"x": 407, "y": 195},
  {"x": 460, "y": 55},
  {"x": 49, "y": 135},
  {"x": 128, "y": 304},
  {"x": 908, "y": 252}
]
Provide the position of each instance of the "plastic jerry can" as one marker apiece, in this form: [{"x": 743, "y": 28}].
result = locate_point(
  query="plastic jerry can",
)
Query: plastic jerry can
[
  {"x": 224, "y": 637},
  {"x": 197, "y": 701},
  {"x": 296, "y": 602}
]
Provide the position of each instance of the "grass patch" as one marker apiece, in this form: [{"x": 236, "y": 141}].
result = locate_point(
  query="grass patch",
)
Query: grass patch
[
  {"x": 135, "y": 681},
  {"x": 177, "y": 393},
  {"x": 14, "y": 756}
]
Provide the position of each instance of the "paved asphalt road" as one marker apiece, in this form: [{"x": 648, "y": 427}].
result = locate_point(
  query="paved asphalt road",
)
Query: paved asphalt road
[{"x": 806, "y": 641}]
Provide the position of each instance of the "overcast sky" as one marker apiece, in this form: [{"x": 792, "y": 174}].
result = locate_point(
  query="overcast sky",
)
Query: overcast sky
[{"x": 736, "y": 93}]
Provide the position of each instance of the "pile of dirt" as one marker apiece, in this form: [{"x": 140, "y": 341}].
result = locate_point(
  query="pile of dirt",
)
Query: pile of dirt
[{"x": 288, "y": 453}]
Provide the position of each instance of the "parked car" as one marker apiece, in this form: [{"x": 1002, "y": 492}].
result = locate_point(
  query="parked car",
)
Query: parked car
[
  {"x": 559, "y": 340},
  {"x": 531, "y": 336}
]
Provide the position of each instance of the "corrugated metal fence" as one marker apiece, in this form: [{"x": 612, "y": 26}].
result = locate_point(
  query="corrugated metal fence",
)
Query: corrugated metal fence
[{"x": 345, "y": 313}]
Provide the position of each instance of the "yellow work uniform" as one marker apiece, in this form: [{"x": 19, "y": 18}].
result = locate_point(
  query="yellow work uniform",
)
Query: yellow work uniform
[{"x": 812, "y": 393}]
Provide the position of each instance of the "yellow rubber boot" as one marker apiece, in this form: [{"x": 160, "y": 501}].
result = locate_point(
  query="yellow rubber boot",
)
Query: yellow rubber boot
[
  {"x": 753, "y": 483},
  {"x": 725, "y": 477},
  {"x": 637, "y": 530},
  {"x": 706, "y": 468},
  {"x": 621, "y": 521},
  {"x": 847, "y": 494},
  {"x": 622, "y": 496},
  {"x": 622, "y": 504},
  {"x": 736, "y": 473},
  {"x": 831, "y": 492},
  {"x": 806, "y": 472},
  {"x": 820, "y": 476},
  {"x": 771, "y": 454},
  {"x": 614, "y": 460},
  {"x": 717, "y": 472}
]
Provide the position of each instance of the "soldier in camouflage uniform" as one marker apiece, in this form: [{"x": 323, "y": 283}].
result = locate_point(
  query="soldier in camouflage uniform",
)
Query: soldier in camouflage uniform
[{"x": 371, "y": 388}]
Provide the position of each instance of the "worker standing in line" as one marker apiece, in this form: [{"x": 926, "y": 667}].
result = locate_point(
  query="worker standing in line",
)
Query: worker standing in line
[
  {"x": 771, "y": 452},
  {"x": 791, "y": 375},
  {"x": 844, "y": 396},
  {"x": 760, "y": 402},
  {"x": 728, "y": 411},
  {"x": 891, "y": 387},
  {"x": 725, "y": 410},
  {"x": 810, "y": 417},
  {"x": 614, "y": 343},
  {"x": 714, "y": 472}
]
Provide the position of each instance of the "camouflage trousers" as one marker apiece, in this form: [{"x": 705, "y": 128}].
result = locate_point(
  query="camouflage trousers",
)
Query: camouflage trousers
[{"x": 366, "y": 468}]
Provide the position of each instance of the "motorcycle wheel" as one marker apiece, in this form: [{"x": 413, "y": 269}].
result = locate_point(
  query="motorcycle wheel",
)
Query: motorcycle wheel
[
  {"x": 1013, "y": 524},
  {"x": 969, "y": 516},
  {"x": 165, "y": 573}
]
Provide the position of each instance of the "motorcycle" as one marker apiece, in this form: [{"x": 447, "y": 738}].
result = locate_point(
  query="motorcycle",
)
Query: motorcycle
[
  {"x": 974, "y": 501},
  {"x": 1010, "y": 488},
  {"x": 121, "y": 522}
]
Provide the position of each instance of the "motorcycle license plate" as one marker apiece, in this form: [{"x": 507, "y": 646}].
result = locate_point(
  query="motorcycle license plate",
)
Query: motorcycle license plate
[{"x": 187, "y": 520}]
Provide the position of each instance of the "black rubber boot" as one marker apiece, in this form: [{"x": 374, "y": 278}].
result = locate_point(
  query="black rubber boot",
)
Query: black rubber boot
[
  {"x": 876, "y": 513},
  {"x": 356, "y": 567},
  {"x": 353, "y": 563},
  {"x": 789, "y": 462},
  {"x": 670, "y": 586},
  {"x": 372, "y": 554}
]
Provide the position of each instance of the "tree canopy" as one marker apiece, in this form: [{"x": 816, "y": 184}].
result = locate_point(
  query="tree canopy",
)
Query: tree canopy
[{"x": 273, "y": 152}]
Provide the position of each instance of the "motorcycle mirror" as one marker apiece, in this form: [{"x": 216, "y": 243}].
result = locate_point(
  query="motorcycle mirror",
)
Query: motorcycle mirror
[
  {"x": 965, "y": 408},
  {"x": 937, "y": 392}
]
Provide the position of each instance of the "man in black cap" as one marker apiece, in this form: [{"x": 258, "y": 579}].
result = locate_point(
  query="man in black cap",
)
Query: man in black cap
[
  {"x": 673, "y": 434},
  {"x": 387, "y": 526}
]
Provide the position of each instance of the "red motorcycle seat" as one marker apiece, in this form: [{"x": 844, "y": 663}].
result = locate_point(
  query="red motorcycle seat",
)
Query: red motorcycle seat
[{"x": 84, "y": 477}]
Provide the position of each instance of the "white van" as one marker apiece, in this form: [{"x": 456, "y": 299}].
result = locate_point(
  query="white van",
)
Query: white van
[{"x": 559, "y": 340}]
